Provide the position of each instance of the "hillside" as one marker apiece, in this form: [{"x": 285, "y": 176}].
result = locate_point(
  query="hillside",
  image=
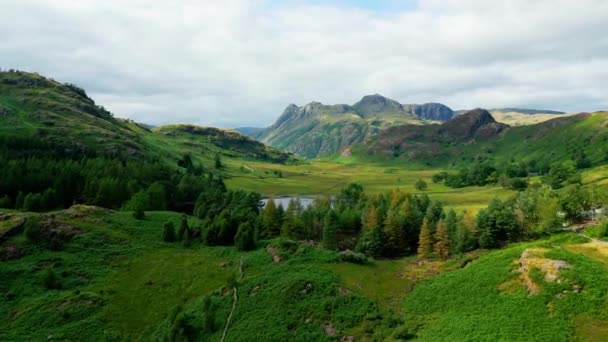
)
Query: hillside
[
  {"x": 476, "y": 135},
  {"x": 63, "y": 117},
  {"x": 319, "y": 130},
  {"x": 114, "y": 277}
]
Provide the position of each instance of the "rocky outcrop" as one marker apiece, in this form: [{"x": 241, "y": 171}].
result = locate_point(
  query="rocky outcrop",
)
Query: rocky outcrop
[
  {"x": 433, "y": 111},
  {"x": 375, "y": 104}
]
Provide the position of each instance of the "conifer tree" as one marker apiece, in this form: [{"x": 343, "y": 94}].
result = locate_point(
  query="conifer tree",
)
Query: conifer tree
[
  {"x": 330, "y": 230},
  {"x": 271, "y": 220},
  {"x": 451, "y": 224},
  {"x": 393, "y": 234},
  {"x": 442, "y": 244},
  {"x": 425, "y": 243}
]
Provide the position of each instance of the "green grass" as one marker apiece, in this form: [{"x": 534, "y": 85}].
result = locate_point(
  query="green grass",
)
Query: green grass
[{"x": 469, "y": 304}]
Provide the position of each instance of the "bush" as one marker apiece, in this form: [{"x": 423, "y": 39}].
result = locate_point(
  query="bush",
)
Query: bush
[{"x": 353, "y": 257}]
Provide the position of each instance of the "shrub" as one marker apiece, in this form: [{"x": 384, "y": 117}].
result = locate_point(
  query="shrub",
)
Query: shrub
[{"x": 353, "y": 257}]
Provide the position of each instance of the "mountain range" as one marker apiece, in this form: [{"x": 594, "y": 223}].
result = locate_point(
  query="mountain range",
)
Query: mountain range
[{"x": 317, "y": 129}]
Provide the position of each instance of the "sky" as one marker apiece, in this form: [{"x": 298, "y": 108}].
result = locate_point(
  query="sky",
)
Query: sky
[{"x": 235, "y": 63}]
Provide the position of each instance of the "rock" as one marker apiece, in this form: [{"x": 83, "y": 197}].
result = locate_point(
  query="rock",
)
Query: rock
[
  {"x": 330, "y": 330},
  {"x": 433, "y": 111}
]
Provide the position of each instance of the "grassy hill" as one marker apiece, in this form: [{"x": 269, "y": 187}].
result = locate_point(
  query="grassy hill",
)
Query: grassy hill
[
  {"x": 461, "y": 141},
  {"x": 35, "y": 107},
  {"x": 115, "y": 279}
]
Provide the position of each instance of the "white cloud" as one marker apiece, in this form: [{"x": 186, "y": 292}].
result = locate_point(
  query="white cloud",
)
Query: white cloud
[{"x": 240, "y": 62}]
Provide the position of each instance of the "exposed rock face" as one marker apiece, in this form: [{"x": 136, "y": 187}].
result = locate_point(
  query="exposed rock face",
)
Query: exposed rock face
[
  {"x": 374, "y": 104},
  {"x": 428, "y": 141},
  {"x": 476, "y": 122},
  {"x": 433, "y": 111}
]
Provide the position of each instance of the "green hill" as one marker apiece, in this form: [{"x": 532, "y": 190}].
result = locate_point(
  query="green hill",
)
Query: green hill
[
  {"x": 34, "y": 107},
  {"x": 476, "y": 136}
]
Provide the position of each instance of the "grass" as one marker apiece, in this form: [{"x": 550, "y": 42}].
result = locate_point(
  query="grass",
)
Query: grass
[{"x": 469, "y": 304}]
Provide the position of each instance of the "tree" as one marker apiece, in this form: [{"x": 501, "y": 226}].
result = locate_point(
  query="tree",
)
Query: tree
[
  {"x": 271, "y": 220},
  {"x": 442, "y": 244},
  {"x": 330, "y": 230},
  {"x": 420, "y": 185},
  {"x": 350, "y": 196},
  {"x": 466, "y": 234},
  {"x": 168, "y": 232},
  {"x": 292, "y": 224},
  {"x": 451, "y": 224},
  {"x": 244, "y": 239},
  {"x": 425, "y": 243},
  {"x": 393, "y": 234}
]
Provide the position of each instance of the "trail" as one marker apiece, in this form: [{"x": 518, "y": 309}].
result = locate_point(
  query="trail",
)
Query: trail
[{"x": 235, "y": 299}]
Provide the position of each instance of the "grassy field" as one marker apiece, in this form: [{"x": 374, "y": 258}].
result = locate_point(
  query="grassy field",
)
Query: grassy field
[{"x": 328, "y": 177}]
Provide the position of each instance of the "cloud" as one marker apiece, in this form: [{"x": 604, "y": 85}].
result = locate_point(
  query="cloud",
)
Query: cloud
[{"x": 240, "y": 62}]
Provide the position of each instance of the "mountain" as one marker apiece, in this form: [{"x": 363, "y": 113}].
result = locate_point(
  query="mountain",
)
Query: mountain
[
  {"x": 317, "y": 130},
  {"x": 64, "y": 118},
  {"x": 476, "y": 136},
  {"x": 432, "y": 111},
  {"x": 250, "y": 131},
  {"x": 420, "y": 142}
]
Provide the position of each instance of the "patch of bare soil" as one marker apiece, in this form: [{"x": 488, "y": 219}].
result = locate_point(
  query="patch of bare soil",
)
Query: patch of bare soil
[{"x": 534, "y": 259}]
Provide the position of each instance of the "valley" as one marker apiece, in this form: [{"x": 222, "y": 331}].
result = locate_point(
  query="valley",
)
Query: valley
[{"x": 432, "y": 227}]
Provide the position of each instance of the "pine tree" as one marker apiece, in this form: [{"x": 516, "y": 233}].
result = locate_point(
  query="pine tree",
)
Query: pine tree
[
  {"x": 271, "y": 220},
  {"x": 425, "y": 243},
  {"x": 372, "y": 220},
  {"x": 451, "y": 224},
  {"x": 393, "y": 234},
  {"x": 330, "y": 230},
  {"x": 442, "y": 246}
]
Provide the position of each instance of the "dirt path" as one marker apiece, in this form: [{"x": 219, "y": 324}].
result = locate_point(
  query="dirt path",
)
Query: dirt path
[{"x": 235, "y": 299}]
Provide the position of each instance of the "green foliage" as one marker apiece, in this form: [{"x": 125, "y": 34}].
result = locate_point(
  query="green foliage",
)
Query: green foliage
[
  {"x": 330, "y": 230},
  {"x": 353, "y": 257},
  {"x": 420, "y": 185},
  {"x": 244, "y": 239}
]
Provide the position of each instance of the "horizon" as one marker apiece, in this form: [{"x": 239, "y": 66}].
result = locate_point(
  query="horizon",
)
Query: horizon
[{"x": 241, "y": 63}]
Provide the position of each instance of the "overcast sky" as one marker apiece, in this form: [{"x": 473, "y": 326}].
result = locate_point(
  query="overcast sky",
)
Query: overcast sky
[{"x": 237, "y": 63}]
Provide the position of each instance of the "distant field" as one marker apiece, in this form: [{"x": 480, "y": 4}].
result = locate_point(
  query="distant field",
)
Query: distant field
[
  {"x": 520, "y": 119},
  {"x": 326, "y": 177}
]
